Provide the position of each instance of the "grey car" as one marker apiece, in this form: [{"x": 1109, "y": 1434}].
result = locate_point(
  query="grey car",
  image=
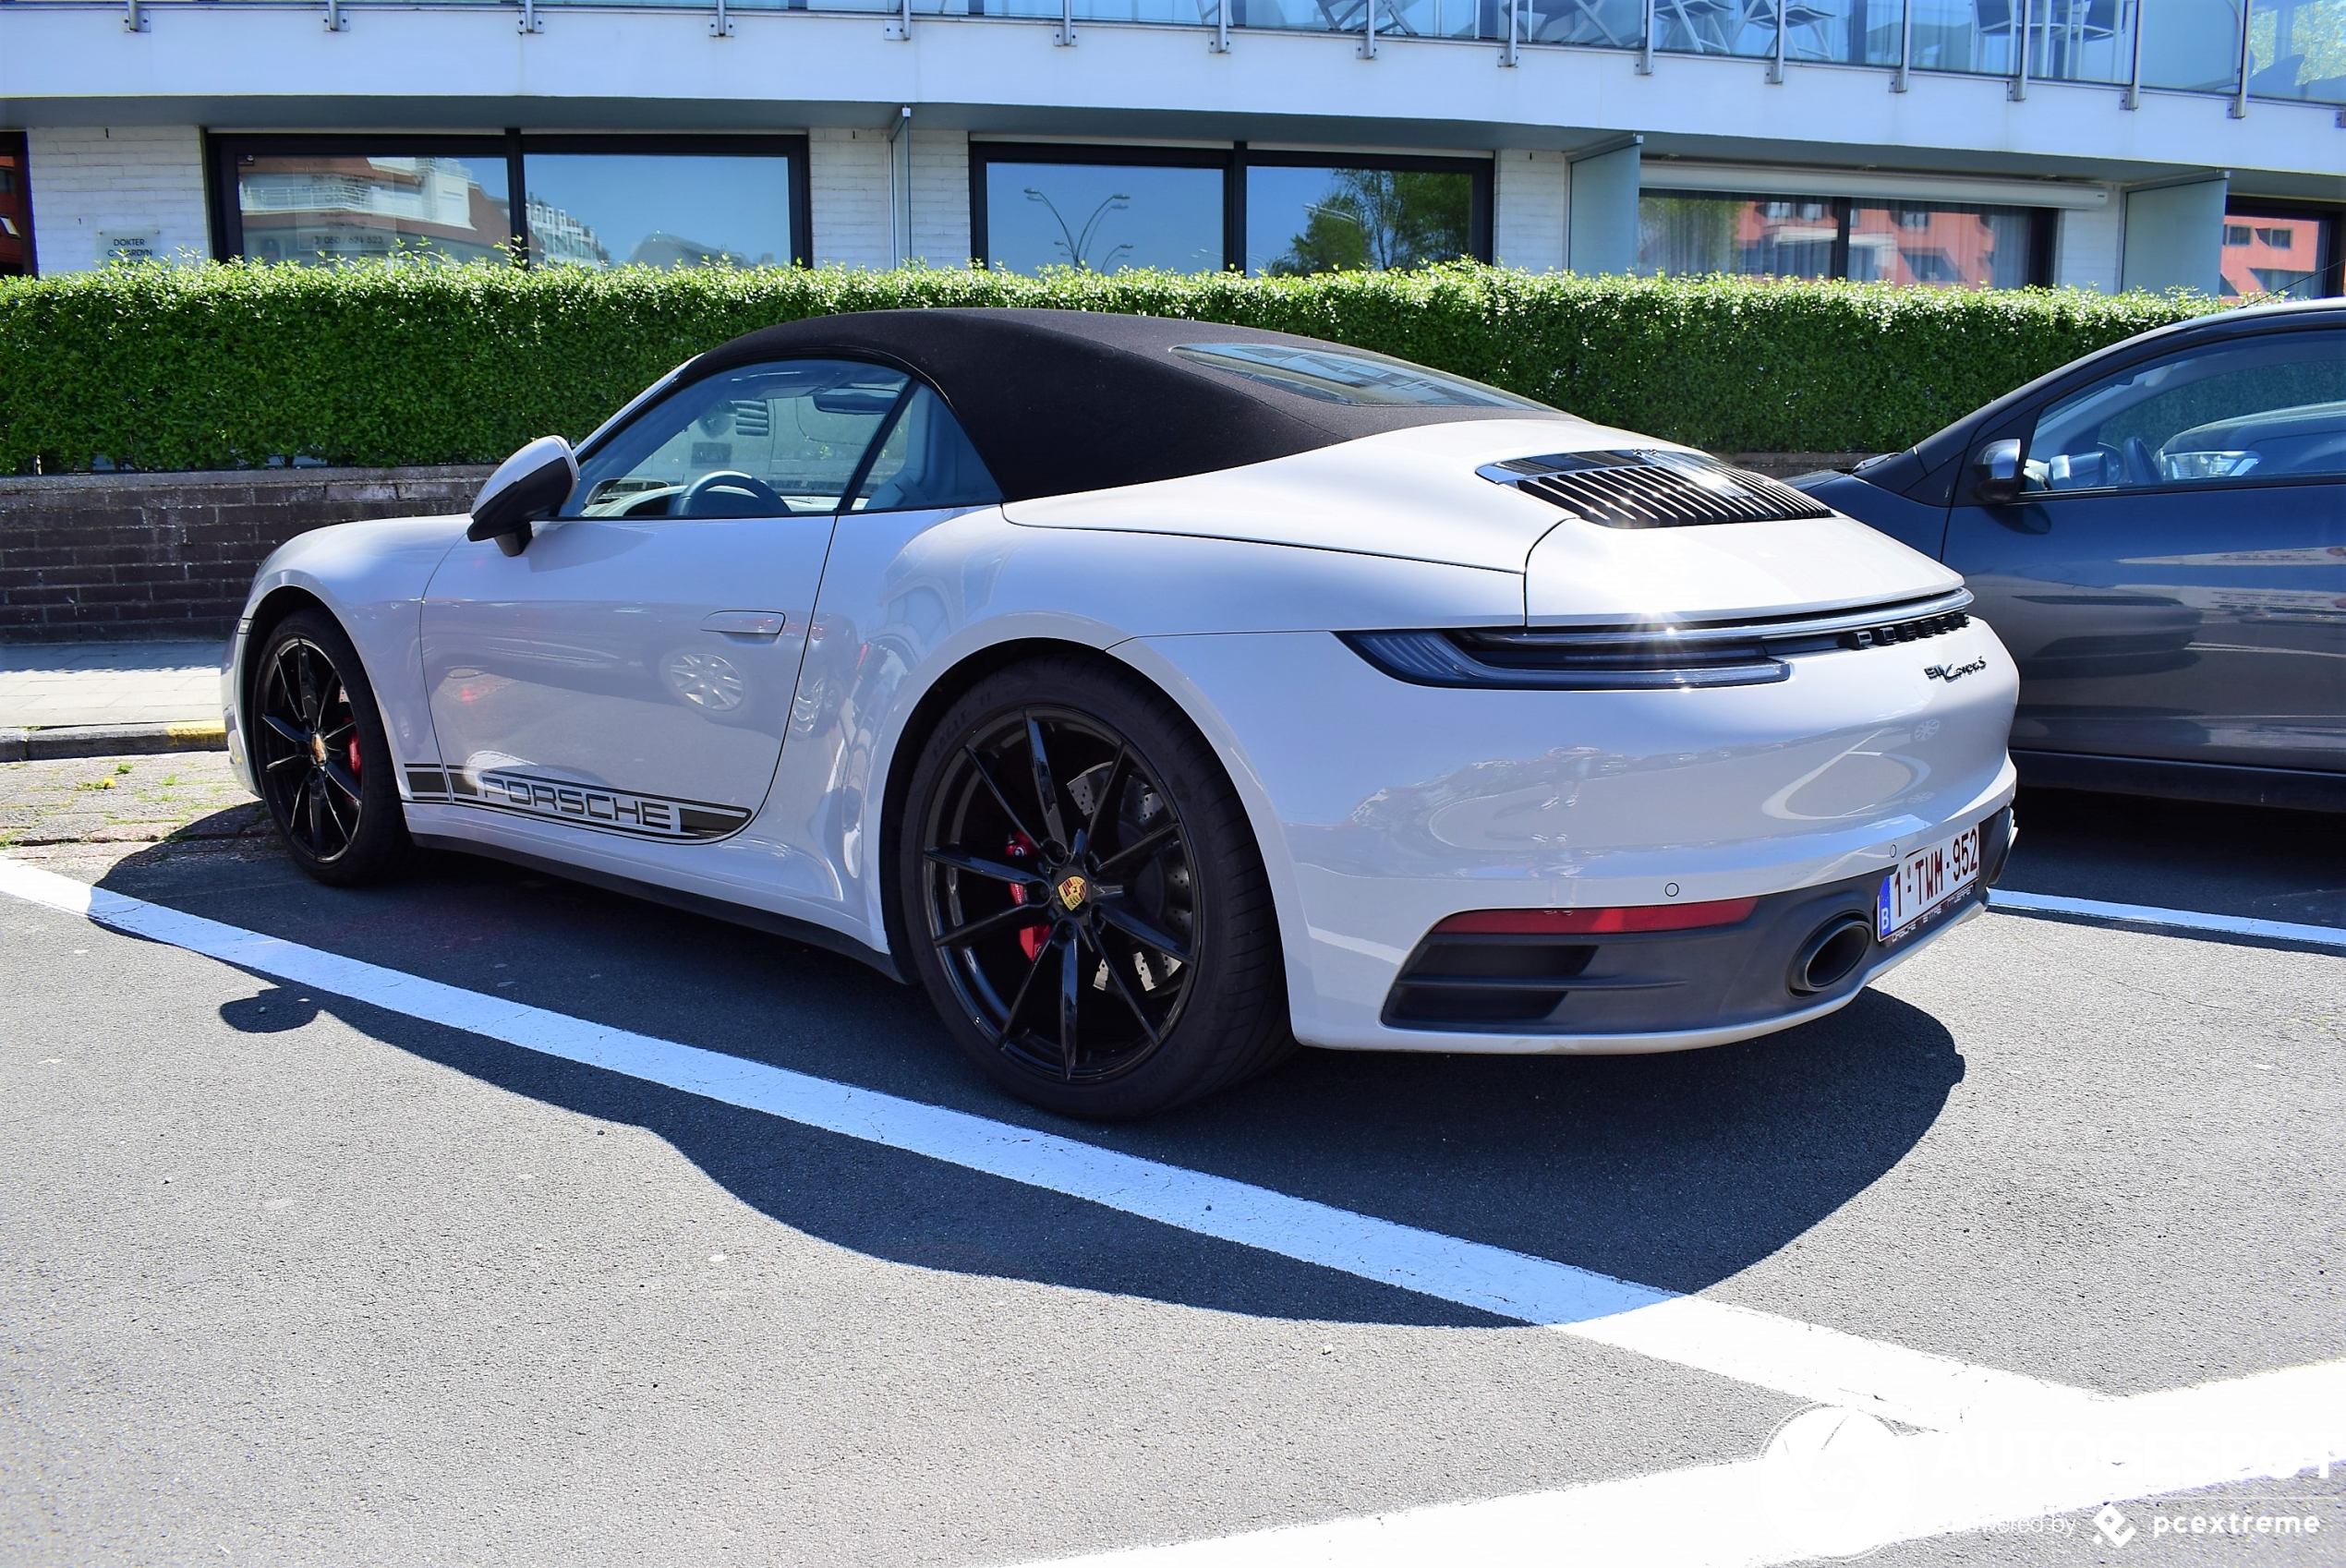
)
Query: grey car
[{"x": 2158, "y": 533}]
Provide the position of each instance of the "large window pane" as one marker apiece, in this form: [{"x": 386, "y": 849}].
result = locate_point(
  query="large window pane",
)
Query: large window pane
[
  {"x": 345, "y": 207},
  {"x": 1754, "y": 237},
  {"x": 1104, "y": 217},
  {"x": 1815, "y": 237},
  {"x": 2273, "y": 255},
  {"x": 1328, "y": 219},
  {"x": 1954, "y": 246},
  {"x": 659, "y": 210}
]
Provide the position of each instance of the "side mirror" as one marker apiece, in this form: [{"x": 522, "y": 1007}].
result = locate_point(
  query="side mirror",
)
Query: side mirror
[
  {"x": 1995, "y": 474},
  {"x": 531, "y": 484}
]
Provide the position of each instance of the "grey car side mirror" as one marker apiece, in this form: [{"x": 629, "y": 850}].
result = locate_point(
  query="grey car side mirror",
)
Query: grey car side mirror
[
  {"x": 531, "y": 484},
  {"x": 1995, "y": 474}
]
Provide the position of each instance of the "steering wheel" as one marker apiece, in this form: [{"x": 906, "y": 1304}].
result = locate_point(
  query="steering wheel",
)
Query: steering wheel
[{"x": 731, "y": 481}]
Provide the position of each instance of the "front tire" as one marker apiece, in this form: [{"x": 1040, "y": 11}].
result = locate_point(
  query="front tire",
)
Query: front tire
[
  {"x": 319, "y": 755},
  {"x": 1084, "y": 902}
]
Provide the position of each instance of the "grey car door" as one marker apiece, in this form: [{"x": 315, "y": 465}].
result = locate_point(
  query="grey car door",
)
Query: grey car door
[
  {"x": 631, "y": 672},
  {"x": 2172, "y": 579}
]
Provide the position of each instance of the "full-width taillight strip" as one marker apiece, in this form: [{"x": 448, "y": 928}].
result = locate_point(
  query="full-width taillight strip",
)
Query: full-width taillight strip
[{"x": 1593, "y": 922}]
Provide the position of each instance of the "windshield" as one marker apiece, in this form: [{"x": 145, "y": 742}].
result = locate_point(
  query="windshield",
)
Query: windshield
[{"x": 1349, "y": 376}]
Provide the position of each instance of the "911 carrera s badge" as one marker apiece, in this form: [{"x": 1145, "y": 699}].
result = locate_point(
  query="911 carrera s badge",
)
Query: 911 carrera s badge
[
  {"x": 1951, "y": 673},
  {"x": 1072, "y": 891}
]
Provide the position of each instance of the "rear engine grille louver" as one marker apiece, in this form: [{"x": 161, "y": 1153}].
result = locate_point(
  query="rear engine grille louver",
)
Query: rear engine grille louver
[{"x": 1652, "y": 489}]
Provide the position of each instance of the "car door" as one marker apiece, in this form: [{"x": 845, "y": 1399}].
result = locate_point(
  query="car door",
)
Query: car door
[
  {"x": 631, "y": 671},
  {"x": 2171, "y": 577}
]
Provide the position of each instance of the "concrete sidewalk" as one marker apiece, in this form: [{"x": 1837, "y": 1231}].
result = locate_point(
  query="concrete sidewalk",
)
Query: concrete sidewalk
[{"x": 100, "y": 699}]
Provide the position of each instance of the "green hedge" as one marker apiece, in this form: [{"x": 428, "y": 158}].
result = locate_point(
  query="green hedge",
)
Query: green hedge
[{"x": 213, "y": 367}]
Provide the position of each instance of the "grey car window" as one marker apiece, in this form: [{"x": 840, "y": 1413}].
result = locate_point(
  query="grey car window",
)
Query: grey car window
[
  {"x": 925, "y": 461},
  {"x": 2268, "y": 407},
  {"x": 762, "y": 441},
  {"x": 1350, "y": 376}
]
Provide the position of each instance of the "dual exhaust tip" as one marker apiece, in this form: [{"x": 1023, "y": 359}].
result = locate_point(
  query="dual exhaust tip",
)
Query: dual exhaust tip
[{"x": 1833, "y": 951}]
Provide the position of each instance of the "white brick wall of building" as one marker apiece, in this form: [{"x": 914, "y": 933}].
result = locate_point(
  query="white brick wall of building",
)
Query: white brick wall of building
[
  {"x": 847, "y": 192},
  {"x": 97, "y": 189},
  {"x": 2088, "y": 246},
  {"x": 1528, "y": 199},
  {"x": 940, "y": 196}
]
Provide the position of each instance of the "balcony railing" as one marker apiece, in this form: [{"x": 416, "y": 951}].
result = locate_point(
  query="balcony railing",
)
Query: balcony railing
[{"x": 2288, "y": 49}]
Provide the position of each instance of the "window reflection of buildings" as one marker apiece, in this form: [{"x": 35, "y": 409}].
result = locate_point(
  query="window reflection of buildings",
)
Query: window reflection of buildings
[
  {"x": 2270, "y": 255},
  {"x": 308, "y": 209},
  {"x": 559, "y": 240}
]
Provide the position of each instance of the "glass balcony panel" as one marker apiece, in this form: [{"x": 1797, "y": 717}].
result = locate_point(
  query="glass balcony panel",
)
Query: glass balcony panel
[
  {"x": 2192, "y": 44},
  {"x": 1102, "y": 217},
  {"x": 1300, "y": 16},
  {"x": 657, "y": 209},
  {"x": 1746, "y": 27},
  {"x": 1587, "y": 24},
  {"x": 1843, "y": 32},
  {"x": 2297, "y": 49},
  {"x": 313, "y": 208},
  {"x": 1330, "y": 220}
]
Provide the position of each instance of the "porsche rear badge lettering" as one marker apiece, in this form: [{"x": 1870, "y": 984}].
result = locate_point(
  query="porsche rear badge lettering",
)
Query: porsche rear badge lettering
[
  {"x": 587, "y": 805},
  {"x": 1951, "y": 673}
]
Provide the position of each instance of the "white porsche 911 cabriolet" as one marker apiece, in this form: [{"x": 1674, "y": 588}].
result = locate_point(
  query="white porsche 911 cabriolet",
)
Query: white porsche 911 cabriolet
[{"x": 1159, "y": 695}]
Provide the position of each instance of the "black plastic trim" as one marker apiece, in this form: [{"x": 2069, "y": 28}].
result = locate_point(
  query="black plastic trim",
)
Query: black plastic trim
[
  {"x": 806, "y": 932},
  {"x": 2216, "y": 783}
]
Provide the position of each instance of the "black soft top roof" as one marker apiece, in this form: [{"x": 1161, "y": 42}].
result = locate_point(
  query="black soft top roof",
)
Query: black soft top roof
[{"x": 1062, "y": 401}]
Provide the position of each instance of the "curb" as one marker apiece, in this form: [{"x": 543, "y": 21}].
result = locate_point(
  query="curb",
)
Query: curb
[{"x": 109, "y": 741}]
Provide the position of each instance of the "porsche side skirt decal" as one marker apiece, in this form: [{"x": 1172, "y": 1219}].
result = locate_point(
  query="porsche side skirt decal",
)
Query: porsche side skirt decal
[{"x": 582, "y": 805}]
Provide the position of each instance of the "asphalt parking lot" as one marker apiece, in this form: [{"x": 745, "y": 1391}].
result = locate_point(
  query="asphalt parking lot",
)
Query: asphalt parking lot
[{"x": 298, "y": 1277}]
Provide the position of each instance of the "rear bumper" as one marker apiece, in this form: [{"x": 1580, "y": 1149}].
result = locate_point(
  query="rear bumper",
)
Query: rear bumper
[
  {"x": 1662, "y": 991},
  {"x": 1384, "y": 807}
]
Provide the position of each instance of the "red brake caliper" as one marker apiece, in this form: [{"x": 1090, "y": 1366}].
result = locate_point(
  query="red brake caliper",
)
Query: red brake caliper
[
  {"x": 1020, "y": 851},
  {"x": 354, "y": 754}
]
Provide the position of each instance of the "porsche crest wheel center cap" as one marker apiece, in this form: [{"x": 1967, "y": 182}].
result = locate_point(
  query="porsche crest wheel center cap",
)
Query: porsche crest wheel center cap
[
  {"x": 317, "y": 749},
  {"x": 1072, "y": 891}
]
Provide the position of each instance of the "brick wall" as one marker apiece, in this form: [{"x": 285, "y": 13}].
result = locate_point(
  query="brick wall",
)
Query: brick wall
[
  {"x": 102, "y": 557},
  {"x": 124, "y": 181},
  {"x": 1527, "y": 201},
  {"x": 2087, "y": 246},
  {"x": 941, "y": 196},
  {"x": 847, "y": 191}
]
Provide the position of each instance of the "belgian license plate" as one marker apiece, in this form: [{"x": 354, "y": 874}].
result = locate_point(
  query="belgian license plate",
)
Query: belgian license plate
[{"x": 1928, "y": 881}]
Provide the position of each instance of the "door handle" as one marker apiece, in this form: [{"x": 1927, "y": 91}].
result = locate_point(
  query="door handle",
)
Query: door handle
[{"x": 746, "y": 622}]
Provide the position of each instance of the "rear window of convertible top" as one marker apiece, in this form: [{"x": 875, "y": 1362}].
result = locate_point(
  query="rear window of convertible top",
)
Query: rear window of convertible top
[{"x": 1328, "y": 376}]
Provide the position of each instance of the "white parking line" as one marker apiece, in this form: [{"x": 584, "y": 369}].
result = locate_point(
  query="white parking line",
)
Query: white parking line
[
  {"x": 1799, "y": 1359},
  {"x": 2178, "y": 919},
  {"x": 1798, "y": 1504}
]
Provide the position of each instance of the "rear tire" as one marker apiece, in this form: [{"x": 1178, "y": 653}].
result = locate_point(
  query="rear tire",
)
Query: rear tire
[
  {"x": 1119, "y": 953},
  {"x": 320, "y": 756}
]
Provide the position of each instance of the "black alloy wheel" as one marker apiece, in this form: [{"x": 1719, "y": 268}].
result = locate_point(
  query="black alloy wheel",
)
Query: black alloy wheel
[
  {"x": 1088, "y": 911},
  {"x": 320, "y": 756}
]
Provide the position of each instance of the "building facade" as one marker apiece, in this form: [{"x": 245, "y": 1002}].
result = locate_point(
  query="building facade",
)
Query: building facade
[{"x": 2101, "y": 144}]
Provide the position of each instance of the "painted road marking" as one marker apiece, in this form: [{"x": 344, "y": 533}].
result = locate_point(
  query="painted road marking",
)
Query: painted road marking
[
  {"x": 2177, "y": 920},
  {"x": 1793, "y": 1505},
  {"x": 1800, "y": 1359}
]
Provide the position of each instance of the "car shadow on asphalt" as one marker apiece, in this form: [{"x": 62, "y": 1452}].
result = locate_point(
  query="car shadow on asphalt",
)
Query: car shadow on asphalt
[{"x": 1675, "y": 1171}]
